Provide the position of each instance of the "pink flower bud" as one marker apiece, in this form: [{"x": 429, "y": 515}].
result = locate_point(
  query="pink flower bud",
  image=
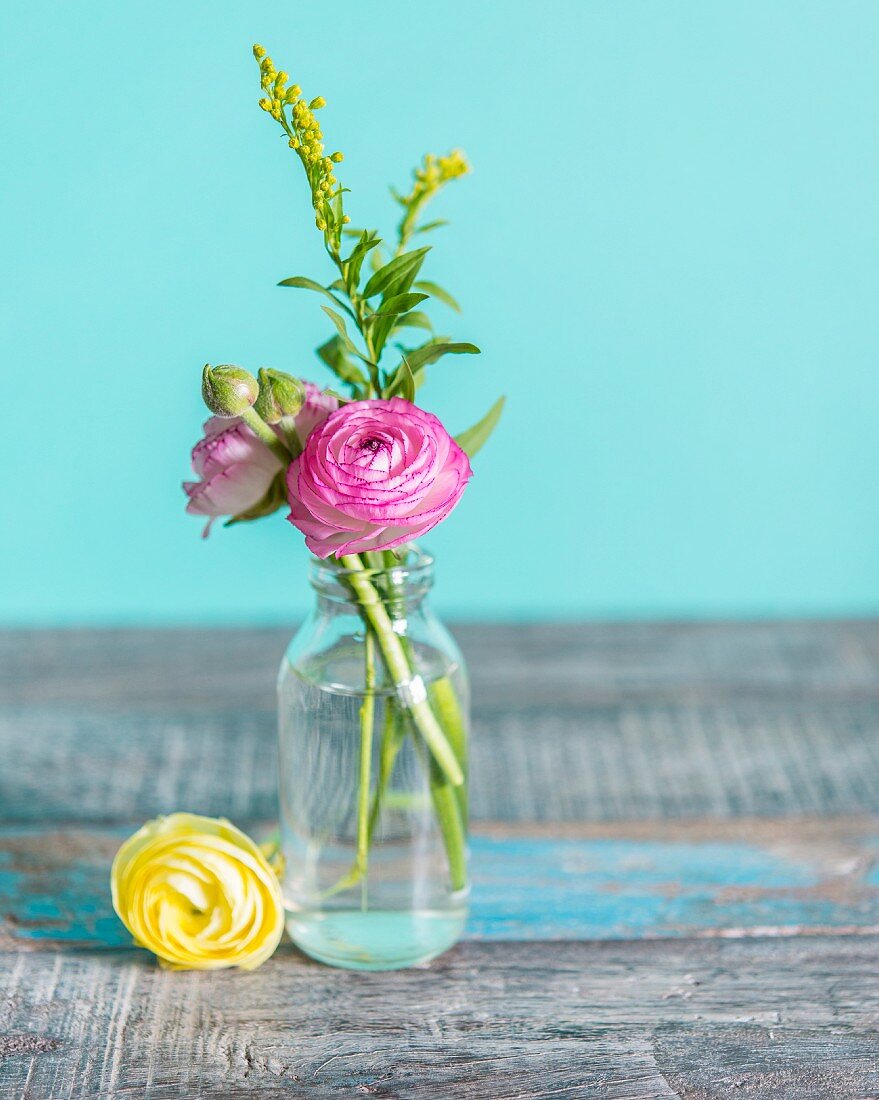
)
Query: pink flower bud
[{"x": 239, "y": 475}]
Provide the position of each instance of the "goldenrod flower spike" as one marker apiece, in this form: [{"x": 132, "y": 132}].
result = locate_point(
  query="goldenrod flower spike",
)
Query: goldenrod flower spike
[
  {"x": 429, "y": 177},
  {"x": 305, "y": 137}
]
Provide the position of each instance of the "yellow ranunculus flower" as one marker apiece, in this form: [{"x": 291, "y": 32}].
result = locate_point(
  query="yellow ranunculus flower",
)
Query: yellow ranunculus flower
[{"x": 198, "y": 893}]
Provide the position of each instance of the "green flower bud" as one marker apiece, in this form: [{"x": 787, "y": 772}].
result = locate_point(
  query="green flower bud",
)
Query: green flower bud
[
  {"x": 280, "y": 395},
  {"x": 228, "y": 391}
]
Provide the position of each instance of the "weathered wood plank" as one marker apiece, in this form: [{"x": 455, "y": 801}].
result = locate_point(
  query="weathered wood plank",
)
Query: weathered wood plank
[
  {"x": 533, "y": 764},
  {"x": 571, "y": 722},
  {"x": 702, "y": 879},
  {"x": 651, "y": 723},
  {"x": 530, "y": 662},
  {"x": 633, "y": 1021}
]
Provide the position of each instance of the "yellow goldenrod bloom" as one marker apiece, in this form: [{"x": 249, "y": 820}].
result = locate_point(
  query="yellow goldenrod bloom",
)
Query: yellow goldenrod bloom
[
  {"x": 198, "y": 893},
  {"x": 305, "y": 136},
  {"x": 453, "y": 165},
  {"x": 429, "y": 177}
]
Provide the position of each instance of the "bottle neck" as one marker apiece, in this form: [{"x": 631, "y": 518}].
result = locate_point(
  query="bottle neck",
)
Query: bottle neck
[{"x": 401, "y": 582}]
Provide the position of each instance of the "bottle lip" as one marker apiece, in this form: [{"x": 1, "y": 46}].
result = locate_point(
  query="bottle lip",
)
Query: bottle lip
[{"x": 410, "y": 575}]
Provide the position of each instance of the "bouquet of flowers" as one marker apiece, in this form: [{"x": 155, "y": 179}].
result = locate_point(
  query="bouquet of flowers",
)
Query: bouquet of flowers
[{"x": 362, "y": 470}]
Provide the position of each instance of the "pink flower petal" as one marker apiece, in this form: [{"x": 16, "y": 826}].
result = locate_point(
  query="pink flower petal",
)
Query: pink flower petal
[{"x": 373, "y": 475}]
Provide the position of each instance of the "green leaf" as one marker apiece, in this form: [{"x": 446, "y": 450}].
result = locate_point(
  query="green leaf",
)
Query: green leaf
[
  {"x": 333, "y": 354},
  {"x": 432, "y": 351},
  {"x": 339, "y": 321},
  {"x": 305, "y": 284},
  {"x": 400, "y": 303},
  {"x": 431, "y": 225},
  {"x": 377, "y": 260},
  {"x": 437, "y": 291},
  {"x": 396, "y": 276},
  {"x": 418, "y": 359},
  {"x": 407, "y": 382},
  {"x": 366, "y": 239},
  {"x": 385, "y": 317},
  {"x": 414, "y": 319},
  {"x": 354, "y": 263},
  {"x": 341, "y": 398},
  {"x": 302, "y": 283},
  {"x": 473, "y": 438}
]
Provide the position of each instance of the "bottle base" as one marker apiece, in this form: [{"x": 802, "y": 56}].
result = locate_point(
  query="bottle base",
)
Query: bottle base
[{"x": 359, "y": 939}]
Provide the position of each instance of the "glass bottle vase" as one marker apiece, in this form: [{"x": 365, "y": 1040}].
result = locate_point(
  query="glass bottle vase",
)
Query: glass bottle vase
[{"x": 373, "y": 720}]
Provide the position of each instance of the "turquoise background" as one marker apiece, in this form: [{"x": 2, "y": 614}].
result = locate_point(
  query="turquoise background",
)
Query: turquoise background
[{"x": 669, "y": 251}]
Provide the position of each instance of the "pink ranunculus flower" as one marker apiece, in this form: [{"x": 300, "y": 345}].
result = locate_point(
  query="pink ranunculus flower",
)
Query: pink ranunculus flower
[
  {"x": 236, "y": 468},
  {"x": 374, "y": 475}
]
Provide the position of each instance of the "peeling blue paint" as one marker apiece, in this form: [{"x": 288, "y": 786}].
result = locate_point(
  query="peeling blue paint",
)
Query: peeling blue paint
[
  {"x": 536, "y": 888},
  {"x": 525, "y": 888}
]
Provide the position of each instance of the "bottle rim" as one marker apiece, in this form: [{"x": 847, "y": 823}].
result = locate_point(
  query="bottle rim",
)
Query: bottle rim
[{"x": 410, "y": 575}]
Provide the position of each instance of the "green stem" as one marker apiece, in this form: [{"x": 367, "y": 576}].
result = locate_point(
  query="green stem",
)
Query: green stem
[
  {"x": 445, "y": 703},
  {"x": 392, "y": 738},
  {"x": 449, "y": 798},
  {"x": 361, "y": 318},
  {"x": 453, "y": 828},
  {"x": 409, "y": 686},
  {"x": 407, "y": 226},
  {"x": 449, "y": 802},
  {"x": 259, "y": 428},
  {"x": 452, "y": 818},
  {"x": 367, "y": 725},
  {"x": 448, "y": 813}
]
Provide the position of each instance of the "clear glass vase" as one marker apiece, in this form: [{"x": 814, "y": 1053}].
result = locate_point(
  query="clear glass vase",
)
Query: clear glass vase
[{"x": 373, "y": 720}]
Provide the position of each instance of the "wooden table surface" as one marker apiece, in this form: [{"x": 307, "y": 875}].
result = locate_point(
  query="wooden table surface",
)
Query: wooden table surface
[{"x": 675, "y": 873}]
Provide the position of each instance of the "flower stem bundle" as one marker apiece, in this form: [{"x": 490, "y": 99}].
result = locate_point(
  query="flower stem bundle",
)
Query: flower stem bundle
[{"x": 363, "y": 470}]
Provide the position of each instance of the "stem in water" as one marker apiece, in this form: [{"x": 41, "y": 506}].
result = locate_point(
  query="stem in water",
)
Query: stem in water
[{"x": 367, "y": 726}]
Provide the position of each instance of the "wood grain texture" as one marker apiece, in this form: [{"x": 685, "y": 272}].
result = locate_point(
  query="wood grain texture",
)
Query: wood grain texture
[
  {"x": 571, "y": 722},
  {"x": 704, "y": 794},
  {"x": 633, "y": 1021},
  {"x": 703, "y": 879}
]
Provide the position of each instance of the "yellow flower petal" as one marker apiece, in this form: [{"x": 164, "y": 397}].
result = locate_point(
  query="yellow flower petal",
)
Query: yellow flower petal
[{"x": 198, "y": 893}]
